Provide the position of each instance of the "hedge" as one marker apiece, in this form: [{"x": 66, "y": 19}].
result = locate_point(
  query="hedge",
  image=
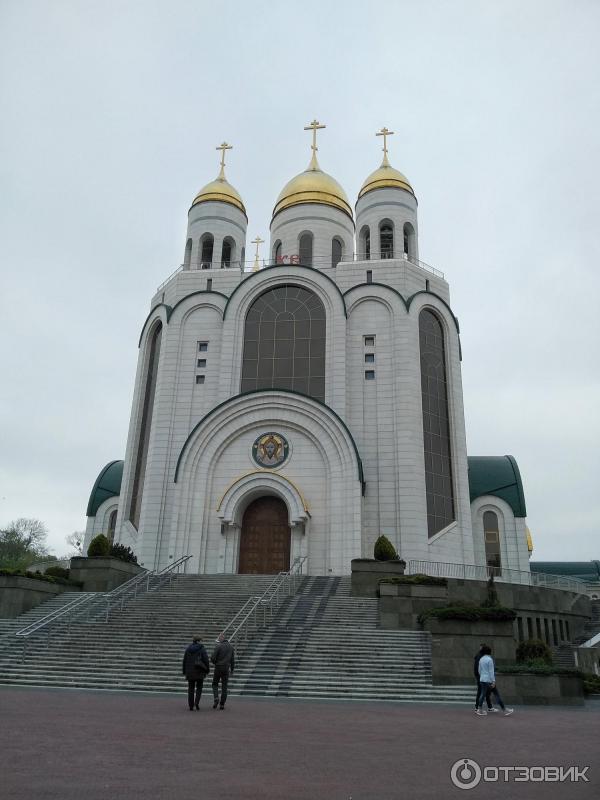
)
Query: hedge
[
  {"x": 538, "y": 669},
  {"x": 421, "y": 580},
  {"x": 40, "y": 576},
  {"x": 469, "y": 613}
]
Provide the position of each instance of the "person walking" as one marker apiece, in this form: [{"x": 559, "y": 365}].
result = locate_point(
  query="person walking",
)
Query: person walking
[
  {"x": 490, "y": 707},
  {"x": 487, "y": 678},
  {"x": 223, "y": 657},
  {"x": 195, "y": 667}
]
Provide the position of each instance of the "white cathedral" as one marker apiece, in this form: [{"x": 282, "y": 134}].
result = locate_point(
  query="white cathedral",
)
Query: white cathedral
[{"x": 309, "y": 403}]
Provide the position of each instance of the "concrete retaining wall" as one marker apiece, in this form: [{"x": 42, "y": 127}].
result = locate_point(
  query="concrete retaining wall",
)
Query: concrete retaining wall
[
  {"x": 102, "y": 574},
  {"x": 18, "y": 595}
]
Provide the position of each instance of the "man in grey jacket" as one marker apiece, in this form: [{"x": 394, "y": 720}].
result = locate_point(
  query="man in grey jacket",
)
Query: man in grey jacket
[{"x": 223, "y": 658}]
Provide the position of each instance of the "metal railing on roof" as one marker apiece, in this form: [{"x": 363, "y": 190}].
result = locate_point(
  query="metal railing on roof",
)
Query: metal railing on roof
[
  {"x": 477, "y": 572},
  {"x": 98, "y": 606},
  {"x": 258, "y": 611},
  {"x": 250, "y": 264}
]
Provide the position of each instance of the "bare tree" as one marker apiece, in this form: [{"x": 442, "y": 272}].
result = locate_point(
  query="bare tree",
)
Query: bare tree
[{"x": 75, "y": 542}]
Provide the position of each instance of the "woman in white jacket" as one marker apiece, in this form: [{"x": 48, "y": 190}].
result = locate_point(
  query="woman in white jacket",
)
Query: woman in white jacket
[{"x": 487, "y": 679}]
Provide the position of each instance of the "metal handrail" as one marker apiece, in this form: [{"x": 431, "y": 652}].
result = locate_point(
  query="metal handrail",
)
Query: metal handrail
[
  {"x": 483, "y": 572},
  {"x": 101, "y": 603},
  {"x": 265, "y": 603}
]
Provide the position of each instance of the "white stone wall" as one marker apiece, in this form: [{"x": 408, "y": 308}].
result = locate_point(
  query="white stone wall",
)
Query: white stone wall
[
  {"x": 323, "y": 222},
  {"x": 100, "y": 522}
]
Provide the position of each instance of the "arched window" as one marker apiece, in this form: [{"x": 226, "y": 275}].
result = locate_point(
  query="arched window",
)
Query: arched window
[
  {"x": 306, "y": 249},
  {"x": 336, "y": 252},
  {"x": 409, "y": 241},
  {"x": 284, "y": 342},
  {"x": 365, "y": 243},
  {"x": 386, "y": 239},
  {"x": 227, "y": 252},
  {"x": 491, "y": 536},
  {"x": 243, "y": 259},
  {"x": 436, "y": 424},
  {"x": 206, "y": 251},
  {"x": 146, "y": 424},
  {"x": 188, "y": 254},
  {"x": 112, "y": 525},
  {"x": 277, "y": 253}
]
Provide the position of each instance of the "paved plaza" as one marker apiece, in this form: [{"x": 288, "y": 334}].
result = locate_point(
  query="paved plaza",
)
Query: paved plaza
[{"x": 83, "y": 745}]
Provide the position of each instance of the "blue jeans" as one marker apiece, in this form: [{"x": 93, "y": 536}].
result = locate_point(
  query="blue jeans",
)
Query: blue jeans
[{"x": 483, "y": 691}]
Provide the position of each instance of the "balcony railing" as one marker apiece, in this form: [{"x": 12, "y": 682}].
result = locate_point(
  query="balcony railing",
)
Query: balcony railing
[
  {"x": 319, "y": 263},
  {"x": 474, "y": 572}
]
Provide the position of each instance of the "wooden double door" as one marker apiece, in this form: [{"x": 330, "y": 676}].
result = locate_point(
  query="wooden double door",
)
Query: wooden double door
[{"x": 265, "y": 537}]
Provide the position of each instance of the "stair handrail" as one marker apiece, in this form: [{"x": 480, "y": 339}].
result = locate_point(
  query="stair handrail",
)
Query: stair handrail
[
  {"x": 102, "y": 600},
  {"x": 266, "y": 602}
]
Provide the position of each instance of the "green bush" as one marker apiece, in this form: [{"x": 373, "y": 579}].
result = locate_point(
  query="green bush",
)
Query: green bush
[
  {"x": 538, "y": 669},
  {"x": 99, "y": 546},
  {"x": 384, "y": 550},
  {"x": 591, "y": 683},
  {"x": 57, "y": 572},
  {"x": 469, "y": 613},
  {"x": 533, "y": 650},
  {"x": 40, "y": 576},
  {"x": 421, "y": 580},
  {"x": 123, "y": 553}
]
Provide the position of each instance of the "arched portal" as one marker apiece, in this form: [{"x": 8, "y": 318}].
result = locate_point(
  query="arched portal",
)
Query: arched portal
[{"x": 265, "y": 537}]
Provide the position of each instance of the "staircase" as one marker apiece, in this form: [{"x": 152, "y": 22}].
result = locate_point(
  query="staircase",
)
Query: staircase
[
  {"x": 8, "y": 627},
  {"x": 326, "y": 644},
  {"x": 323, "y": 643}
]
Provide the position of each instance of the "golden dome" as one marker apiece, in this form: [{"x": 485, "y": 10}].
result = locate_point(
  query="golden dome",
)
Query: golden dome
[
  {"x": 313, "y": 186},
  {"x": 529, "y": 541},
  {"x": 383, "y": 177},
  {"x": 221, "y": 190}
]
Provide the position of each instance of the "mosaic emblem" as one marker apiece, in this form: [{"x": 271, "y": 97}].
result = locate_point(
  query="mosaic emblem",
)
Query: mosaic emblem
[{"x": 270, "y": 450}]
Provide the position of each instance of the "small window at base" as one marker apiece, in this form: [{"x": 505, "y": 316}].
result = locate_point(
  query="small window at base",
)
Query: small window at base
[
  {"x": 369, "y": 358},
  {"x": 369, "y": 374},
  {"x": 202, "y": 362},
  {"x": 202, "y": 347},
  {"x": 200, "y": 378},
  {"x": 369, "y": 341}
]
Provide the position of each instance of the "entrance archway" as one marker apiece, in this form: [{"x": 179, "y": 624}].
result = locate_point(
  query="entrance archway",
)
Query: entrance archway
[{"x": 265, "y": 537}]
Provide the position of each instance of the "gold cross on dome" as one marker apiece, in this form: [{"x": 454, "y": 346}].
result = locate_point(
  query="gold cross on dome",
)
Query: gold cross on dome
[
  {"x": 385, "y": 133},
  {"x": 314, "y": 126},
  {"x": 223, "y": 147},
  {"x": 258, "y": 241}
]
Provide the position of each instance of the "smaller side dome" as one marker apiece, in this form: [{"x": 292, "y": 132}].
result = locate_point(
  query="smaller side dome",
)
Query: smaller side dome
[
  {"x": 220, "y": 189},
  {"x": 108, "y": 484},
  {"x": 385, "y": 176}
]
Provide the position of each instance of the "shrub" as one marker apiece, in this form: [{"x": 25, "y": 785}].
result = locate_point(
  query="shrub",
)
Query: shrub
[
  {"x": 40, "y": 576},
  {"x": 384, "y": 550},
  {"x": 123, "y": 553},
  {"x": 58, "y": 572},
  {"x": 591, "y": 683},
  {"x": 534, "y": 651},
  {"x": 469, "y": 613},
  {"x": 99, "y": 546},
  {"x": 538, "y": 669},
  {"x": 421, "y": 580}
]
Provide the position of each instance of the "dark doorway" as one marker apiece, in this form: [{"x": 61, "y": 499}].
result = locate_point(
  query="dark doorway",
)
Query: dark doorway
[{"x": 265, "y": 537}]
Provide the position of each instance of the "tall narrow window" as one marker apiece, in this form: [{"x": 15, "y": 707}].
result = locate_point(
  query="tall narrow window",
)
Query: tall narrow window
[
  {"x": 365, "y": 243},
  {"x": 386, "y": 239},
  {"x": 145, "y": 426},
  {"x": 491, "y": 536},
  {"x": 409, "y": 241},
  {"x": 206, "y": 251},
  {"x": 436, "y": 424},
  {"x": 284, "y": 342},
  {"x": 306, "y": 249},
  {"x": 112, "y": 525},
  {"x": 277, "y": 253},
  {"x": 187, "y": 259},
  {"x": 336, "y": 252},
  {"x": 226, "y": 253}
]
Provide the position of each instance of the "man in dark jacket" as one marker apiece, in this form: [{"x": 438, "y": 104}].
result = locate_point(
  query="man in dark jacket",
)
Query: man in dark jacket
[
  {"x": 476, "y": 661},
  {"x": 223, "y": 658},
  {"x": 195, "y": 668}
]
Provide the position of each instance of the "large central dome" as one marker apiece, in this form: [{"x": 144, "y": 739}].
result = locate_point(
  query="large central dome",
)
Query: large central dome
[{"x": 313, "y": 186}]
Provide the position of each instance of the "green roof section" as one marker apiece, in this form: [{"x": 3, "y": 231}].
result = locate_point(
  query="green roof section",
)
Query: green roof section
[
  {"x": 108, "y": 484},
  {"x": 498, "y": 476},
  {"x": 585, "y": 570}
]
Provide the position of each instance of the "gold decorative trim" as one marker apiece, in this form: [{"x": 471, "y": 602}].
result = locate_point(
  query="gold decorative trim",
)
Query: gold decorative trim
[{"x": 264, "y": 472}]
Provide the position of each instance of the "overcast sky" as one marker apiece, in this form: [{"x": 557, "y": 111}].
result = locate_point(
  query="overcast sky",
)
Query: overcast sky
[{"x": 110, "y": 115}]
